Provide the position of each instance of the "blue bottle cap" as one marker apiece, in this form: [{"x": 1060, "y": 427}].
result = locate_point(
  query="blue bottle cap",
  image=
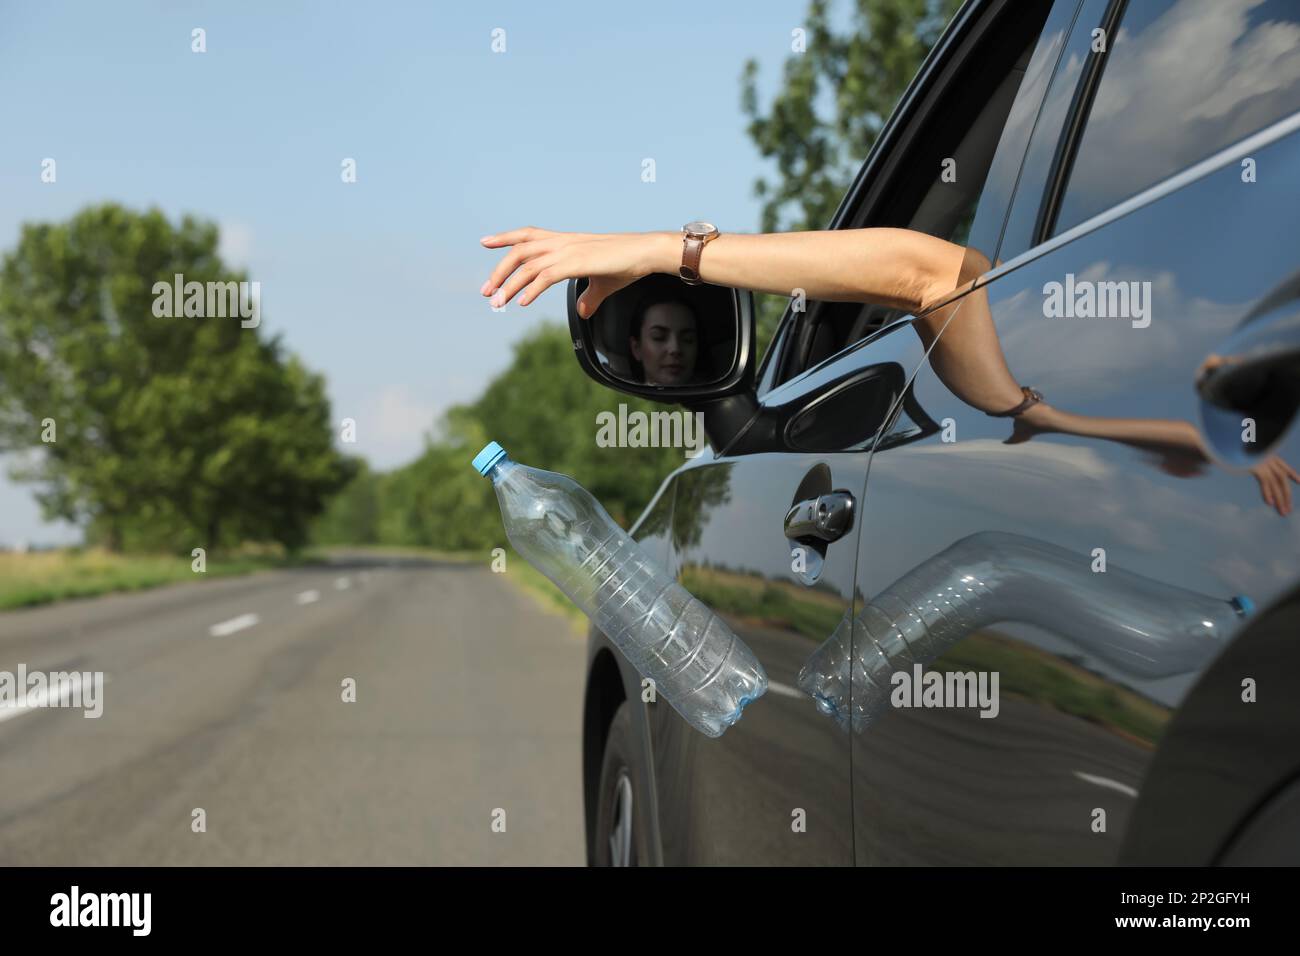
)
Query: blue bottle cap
[
  {"x": 489, "y": 456},
  {"x": 1243, "y": 605}
]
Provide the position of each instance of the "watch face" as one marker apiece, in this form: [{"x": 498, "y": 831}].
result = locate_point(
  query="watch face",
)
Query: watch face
[{"x": 699, "y": 228}]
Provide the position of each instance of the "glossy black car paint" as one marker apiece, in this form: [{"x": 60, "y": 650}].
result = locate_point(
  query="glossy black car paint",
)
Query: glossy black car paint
[{"x": 1087, "y": 761}]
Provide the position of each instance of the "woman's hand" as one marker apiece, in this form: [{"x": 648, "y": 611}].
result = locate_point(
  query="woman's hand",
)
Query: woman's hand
[
  {"x": 539, "y": 258},
  {"x": 1275, "y": 477}
]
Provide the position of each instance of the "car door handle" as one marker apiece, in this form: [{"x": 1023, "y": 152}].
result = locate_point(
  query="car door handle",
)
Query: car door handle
[{"x": 827, "y": 517}]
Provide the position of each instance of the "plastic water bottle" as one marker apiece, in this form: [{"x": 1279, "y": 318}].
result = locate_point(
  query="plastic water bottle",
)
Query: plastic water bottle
[
  {"x": 697, "y": 663},
  {"x": 1146, "y": 629}
]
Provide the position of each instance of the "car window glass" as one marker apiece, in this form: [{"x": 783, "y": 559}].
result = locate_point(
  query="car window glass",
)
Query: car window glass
[
  {"x": 1181, "y": 80},
  {"x": 937, "y": 184}
]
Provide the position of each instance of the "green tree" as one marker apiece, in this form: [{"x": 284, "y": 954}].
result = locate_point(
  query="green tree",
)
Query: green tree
[
  {"x": 352, "y": 516},
  {"x": 833, "y": 102},
  {"x": 170, "y": 432}
]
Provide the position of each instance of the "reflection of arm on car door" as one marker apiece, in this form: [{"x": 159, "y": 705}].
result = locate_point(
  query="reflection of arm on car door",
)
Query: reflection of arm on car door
[{"x": 968, "y": 359}]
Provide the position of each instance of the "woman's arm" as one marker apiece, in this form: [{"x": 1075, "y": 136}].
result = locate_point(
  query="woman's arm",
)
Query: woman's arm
[{"x": 898, "y": 268}]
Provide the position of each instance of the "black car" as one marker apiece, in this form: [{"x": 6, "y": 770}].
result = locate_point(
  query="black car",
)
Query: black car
[{"x": 1126, "y": 177}]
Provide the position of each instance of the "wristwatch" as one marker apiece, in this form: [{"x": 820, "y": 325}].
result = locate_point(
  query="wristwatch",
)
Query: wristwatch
[
  {"x": 1032, "y": 397},
  {"x": 695, "y": 236}
]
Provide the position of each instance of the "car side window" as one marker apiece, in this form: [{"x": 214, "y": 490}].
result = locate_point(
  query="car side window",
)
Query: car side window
[
  {"x": 1181, "y": 80},
  {"x": 935, "y": 180}
]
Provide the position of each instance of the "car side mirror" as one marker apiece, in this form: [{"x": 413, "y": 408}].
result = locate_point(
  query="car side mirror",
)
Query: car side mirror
[
  {"x": 670, "y": 342},
  {"x": 1249, "y": 390}
]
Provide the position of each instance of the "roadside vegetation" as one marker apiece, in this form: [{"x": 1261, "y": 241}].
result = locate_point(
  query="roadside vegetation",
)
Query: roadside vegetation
[{"x": 42, "y": 577}]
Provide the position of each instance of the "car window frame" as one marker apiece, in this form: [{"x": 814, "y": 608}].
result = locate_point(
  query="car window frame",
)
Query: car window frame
[
  {"x": 1077, "y": 118},
  {"x": 961, "y": 40},
  {"x": 1069, "y": 138},
  {"x": 778, "y": 353},
  {"x": 1279, "y": 129}
]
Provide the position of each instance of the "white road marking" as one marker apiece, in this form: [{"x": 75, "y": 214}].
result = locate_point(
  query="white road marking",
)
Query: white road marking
[
  {"x": 342, "y": 584},
  {"x": 1106, "y": 782},
  {"x": 39, "y": 699},
  {"x": 233, "y": 625},
  {"x": 785, "y": 690},
  {"x": 308, "y": 597}
]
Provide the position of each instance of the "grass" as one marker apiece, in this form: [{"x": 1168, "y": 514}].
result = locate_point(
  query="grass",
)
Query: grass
[
  {"x": 539, "y": 587},
  {"x": 1062, "y": 685},
  {"x": 809, "y": 611},
  {"x": 43, "y": 577}
]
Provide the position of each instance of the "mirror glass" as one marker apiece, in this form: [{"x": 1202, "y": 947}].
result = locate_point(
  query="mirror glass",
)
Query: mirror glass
[
  {"x": 661, "y": 331},
  {"x": 1250, "y": 389}
]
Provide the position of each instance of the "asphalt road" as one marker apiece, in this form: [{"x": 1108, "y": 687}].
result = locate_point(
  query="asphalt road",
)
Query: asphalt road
[{"x": 468, "y": 702}]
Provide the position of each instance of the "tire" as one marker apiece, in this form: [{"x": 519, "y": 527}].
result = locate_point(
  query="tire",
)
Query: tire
[{"x": 620, "y": 818}]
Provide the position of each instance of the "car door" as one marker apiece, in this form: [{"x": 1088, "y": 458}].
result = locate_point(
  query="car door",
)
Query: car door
[
  {"x": 766, "y": 532},
  {"x": 1075, "y": 584}
]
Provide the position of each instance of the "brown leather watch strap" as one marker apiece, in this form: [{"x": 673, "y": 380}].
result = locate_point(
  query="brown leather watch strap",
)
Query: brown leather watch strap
[
  {"x": 692, "y": 246},
  {"x": 1032, "y": 397}
]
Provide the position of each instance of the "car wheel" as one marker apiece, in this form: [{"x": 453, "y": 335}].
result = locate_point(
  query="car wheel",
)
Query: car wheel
[{"x": 620, "y": 818}]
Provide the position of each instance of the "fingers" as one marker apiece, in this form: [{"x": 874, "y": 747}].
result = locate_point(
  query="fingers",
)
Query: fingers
[
  {"x": 1275, "y": 477},
  {"x": 1265, "y": 488},
  {"x": 538, "y": 275},
  {"x": 539, "y": 258},
  {"x": 513, "y": 236},
  {"x": 1274, "y": 487},
  {"x": 520, "y": 279},
  {"x": 513, "y": 260},
  {"x": 533, "y": 234},
  {"x": 598, "y": 290},
  {"x": 525, "y": 244},
  {"x": 543, "y": 280},
  {"x": 1281, "y": 487}
]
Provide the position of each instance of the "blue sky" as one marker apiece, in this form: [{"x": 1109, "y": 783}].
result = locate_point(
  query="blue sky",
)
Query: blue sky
[{"x": 375, "y": 283}]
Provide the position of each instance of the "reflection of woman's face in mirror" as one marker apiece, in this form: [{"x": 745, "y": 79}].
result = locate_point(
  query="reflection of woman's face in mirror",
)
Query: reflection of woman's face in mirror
[{"x": 663, "y": 340}]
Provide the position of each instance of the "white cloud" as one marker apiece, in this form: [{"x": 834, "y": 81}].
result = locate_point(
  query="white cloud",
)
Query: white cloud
[
  {"x": 392, "y": 425},
  {"x": 236, "y": 244},
  {"x": 1198, "y": 77},
  {"x": 1050, "y": 482},
  {"x": 1180, "y": 325}
]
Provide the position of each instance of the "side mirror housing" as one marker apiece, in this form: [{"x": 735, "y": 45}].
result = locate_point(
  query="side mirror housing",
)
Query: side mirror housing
[
  {"x": 670, "y": 342},
  {"x": 1250, "y": 390}
]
